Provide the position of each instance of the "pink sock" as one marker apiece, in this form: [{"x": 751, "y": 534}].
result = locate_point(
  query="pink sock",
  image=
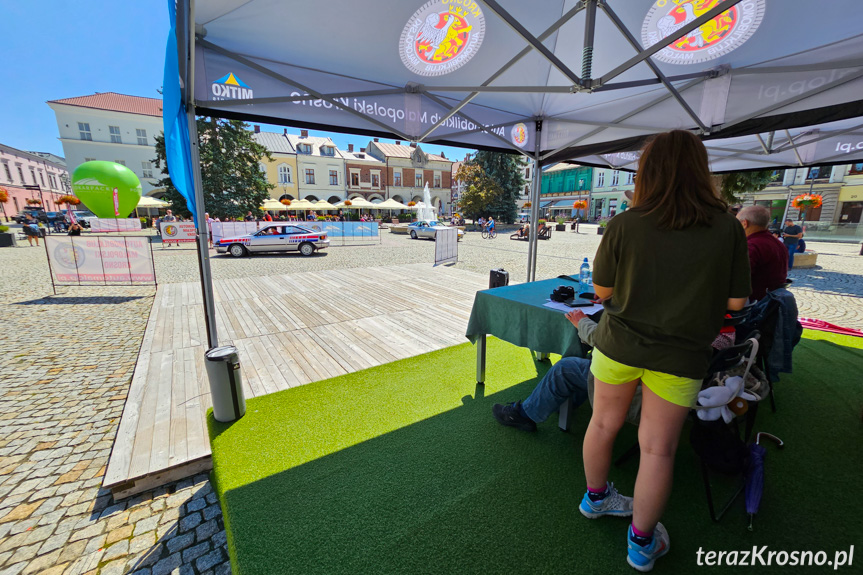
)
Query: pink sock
[
  {"x": 639, "y": 533},
  {"x": 595, "y": 490}
]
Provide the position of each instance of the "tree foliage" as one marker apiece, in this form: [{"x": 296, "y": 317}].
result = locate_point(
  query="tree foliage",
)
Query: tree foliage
[
  {"x": 507, "y": 171},
  {"x": 732, "y": 186},
  {"x": 233, "y": 182},
  {"x": 480, "y": 191}
]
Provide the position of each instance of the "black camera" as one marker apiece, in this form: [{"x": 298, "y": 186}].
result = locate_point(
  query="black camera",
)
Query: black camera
[{"x": 563, "y": 293}]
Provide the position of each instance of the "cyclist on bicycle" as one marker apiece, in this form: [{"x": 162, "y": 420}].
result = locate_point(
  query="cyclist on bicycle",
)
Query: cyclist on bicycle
[{"x": 490, "y": 223}]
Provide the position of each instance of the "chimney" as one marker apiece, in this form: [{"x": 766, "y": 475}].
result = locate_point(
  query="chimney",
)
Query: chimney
[
  {"x": 351, "y": 148},
  {"x": 363, "y": 150},
  {"x": 286, "y": 131},
  {"x": 413, "y": 144},
  {"x": 257, "y": 129},
  {"x": 398, "y": 142},
  {"x": 442, "y": 155},
  {"x": 304, "y": 133},
  {"x": 467, "y": 157},
  {"x": 376, "y": 139}
]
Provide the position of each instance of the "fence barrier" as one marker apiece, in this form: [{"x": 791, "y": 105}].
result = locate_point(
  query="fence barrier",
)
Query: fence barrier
[{"x": 100, "y": 260}]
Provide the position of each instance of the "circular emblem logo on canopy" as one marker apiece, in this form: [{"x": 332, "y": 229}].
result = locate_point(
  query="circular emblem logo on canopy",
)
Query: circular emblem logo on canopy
[
  {"x": 518, "y": 134},
  {"x": 69, "y": 256},
  {"x": 717, "y": 37},
  {"x": 442, "y": 36}
]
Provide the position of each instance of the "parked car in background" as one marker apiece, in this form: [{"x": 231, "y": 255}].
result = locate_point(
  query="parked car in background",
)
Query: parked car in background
[
  {"x": 82, "y": 216},
  {"x": 31, "y": 213},
  {"x": 428, "y": 229},
  {"x": 275, "y": 238}
]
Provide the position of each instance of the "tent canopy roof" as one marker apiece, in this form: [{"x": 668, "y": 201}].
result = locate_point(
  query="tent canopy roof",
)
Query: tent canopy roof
[{"x": 480, "y": 73}]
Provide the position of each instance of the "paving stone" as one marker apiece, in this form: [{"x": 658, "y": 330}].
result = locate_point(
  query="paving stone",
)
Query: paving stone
[
  {"x": 190, "y": 522},
  {"x": 119, "y": 549},
  {"x": 167, "y": 564},
  {"x": 25, "y": 553},
  {"x": 180, "y": 542},
  {"x": 115, "y": 535},
  {"x": 73, "y": 551},
  {"x": 206, "y": 530},
  {"x": 142, "y": 542},
  {"x": 193, "y": 553},
  {"x": 54, "y": 542},
  {"x": 210, "y": 560},
  {"x": 116, "y": 567},
  {"x": 195, "y": 505},
  {"x": 212, "y": 512},
  {"x": 95, "y": 544},
  {"x": 22, "y": 511},
  {"x": 41, "y": 563},
  {"x": 223, "y": 568},
  {"x": 87, "y": 532},
  {"x": 148, "y": 524},
  {"x": 14, "y": 569}
]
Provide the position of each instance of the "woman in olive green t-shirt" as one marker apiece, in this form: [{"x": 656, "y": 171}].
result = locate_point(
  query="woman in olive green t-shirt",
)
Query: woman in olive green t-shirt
[{"x": 667, "y": 269}]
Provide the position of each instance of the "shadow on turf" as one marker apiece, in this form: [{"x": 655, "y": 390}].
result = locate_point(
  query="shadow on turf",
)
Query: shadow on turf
[{"x": 458, "y": 493}]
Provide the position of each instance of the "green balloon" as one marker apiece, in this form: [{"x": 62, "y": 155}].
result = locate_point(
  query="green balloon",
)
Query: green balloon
[{"x": 108, "y": 189}]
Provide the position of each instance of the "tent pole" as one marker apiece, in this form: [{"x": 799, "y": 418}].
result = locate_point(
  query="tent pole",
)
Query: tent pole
[
  {"x": 532, "y": 242},
  {"x": 201, "y": 224},
  {"x": 589, "y": 30}
]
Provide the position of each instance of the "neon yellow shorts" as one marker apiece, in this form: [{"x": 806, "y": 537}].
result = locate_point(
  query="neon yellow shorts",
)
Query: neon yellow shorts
[{"x": 672, "y": 388}]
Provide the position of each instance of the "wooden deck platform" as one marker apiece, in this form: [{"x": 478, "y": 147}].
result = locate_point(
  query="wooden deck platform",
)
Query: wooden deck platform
[{"x": 290, "y": 330}]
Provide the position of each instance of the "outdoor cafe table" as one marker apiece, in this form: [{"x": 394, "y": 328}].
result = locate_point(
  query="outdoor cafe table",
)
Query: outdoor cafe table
[{"x": 517, "y": 314}]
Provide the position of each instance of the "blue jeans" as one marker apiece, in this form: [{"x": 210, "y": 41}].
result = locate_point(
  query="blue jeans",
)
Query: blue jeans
[
  {"x": 791, "y": 251},
  {"x": 566, "y": 379}
]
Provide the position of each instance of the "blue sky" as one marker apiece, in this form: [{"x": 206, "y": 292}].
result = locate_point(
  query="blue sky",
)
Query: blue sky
[{"x": 57, "y": 49}]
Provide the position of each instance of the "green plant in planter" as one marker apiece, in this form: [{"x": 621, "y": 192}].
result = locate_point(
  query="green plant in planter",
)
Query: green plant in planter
[
  {"x": 603, "y": 222},
  {"x": 542, "y": 222},
  {"x": 4, "y": 229},
  {"x": 560, "y": 219}
]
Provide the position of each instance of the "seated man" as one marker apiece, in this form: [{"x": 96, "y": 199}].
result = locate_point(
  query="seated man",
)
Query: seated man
[
  {"x": 569, "y": 378},
  {"x": 524, "y": 231},
  {"x": 768, "y": 259}
]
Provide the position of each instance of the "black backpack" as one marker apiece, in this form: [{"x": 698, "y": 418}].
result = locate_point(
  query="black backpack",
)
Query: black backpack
[{"x": 718, "y": 446}]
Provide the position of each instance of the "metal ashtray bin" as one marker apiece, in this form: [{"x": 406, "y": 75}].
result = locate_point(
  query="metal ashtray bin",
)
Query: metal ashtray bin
[{"x": 226, "y": 383}]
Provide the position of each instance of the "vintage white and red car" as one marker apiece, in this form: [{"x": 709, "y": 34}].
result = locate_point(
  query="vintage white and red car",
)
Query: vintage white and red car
[{"x": 275, "y": 238}]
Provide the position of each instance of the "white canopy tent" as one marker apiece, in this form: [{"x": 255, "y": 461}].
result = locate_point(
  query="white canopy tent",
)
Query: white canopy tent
[{"x": 555, "y": 80}]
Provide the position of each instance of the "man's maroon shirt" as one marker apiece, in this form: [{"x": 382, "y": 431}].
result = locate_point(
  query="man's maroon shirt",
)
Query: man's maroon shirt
[{"x": 768, "y": 259}]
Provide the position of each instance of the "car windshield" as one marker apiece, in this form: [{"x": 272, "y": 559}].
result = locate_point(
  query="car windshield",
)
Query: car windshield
[{"x": 299, "y": 230}]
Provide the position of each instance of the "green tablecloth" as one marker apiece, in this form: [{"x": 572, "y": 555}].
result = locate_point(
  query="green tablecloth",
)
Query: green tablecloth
[{"x": 517, "y": 314}]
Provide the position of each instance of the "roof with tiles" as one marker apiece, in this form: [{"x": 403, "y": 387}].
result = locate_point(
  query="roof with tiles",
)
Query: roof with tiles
[
  {"x": 114, "y": 102},
  {"x": 275, "y": 142},
  {"x": 399, "y": 151},
  {"x": 360, "y": 157},
  {"x": 316, "y": 145}
]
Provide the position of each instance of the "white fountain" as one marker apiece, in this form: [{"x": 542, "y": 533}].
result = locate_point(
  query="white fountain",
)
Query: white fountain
[{"x": 425, "y": 209}]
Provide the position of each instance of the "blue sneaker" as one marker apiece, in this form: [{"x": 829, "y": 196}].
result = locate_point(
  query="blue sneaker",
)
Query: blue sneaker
[
  {"x": 613, "y": 504},
  {"x": 643, "y": 558}
]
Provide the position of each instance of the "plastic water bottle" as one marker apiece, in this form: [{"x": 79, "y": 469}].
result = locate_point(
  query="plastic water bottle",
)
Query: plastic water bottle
[{"x": 584, "y": 283}]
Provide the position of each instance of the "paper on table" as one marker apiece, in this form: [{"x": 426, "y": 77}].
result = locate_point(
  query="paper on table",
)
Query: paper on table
[{"x": 587, "y": 310}]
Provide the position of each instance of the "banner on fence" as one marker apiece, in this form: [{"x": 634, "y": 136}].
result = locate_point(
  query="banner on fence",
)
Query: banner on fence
[
  {"x": 177, "y": 232},
  {"x": 92, "y": 260},
  {"x": 446, "y": 246},
  {"x": 333, "y": 229},
  {"x": 115, "y": 225}
]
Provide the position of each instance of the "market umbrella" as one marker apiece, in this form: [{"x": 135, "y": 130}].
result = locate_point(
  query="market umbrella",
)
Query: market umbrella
[
  {"x": 755, "y": 475},
  {"x": 324, "y": 205},
  {"x": 356, "y": 203},
  {"x": 301, "y": 205},
  {"x": 148, "y": 202},
  {"x": 391, "y": 204},
  {"x": 271, "y": 205}
]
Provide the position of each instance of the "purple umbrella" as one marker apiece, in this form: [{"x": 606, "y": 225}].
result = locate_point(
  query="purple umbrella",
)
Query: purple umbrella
[{"x": 755, "y": 474}]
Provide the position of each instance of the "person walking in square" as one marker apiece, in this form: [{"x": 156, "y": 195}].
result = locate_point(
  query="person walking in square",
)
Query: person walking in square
[
  {"x": 667, "y": 270},
  {"x": 791, "y": 237}
]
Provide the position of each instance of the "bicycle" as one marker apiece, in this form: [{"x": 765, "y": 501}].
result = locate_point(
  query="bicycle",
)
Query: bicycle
[{"x": 489, "y": 233}]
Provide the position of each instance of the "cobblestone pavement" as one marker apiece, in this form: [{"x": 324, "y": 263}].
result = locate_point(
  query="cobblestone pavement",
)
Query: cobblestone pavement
[
  {"x": 66, "y": 362},
  {"x": 65, "y": 366}
]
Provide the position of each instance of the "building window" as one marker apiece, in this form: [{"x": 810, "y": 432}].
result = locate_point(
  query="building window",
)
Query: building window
[
  {"x": 310, "y": 176},
  {"x": 527, "y": 173},
  {"x": 615, "y": 177},
  {"x": 284, "y": 174},
  {"x": 121, "y": 162},
  {"x": 8, "y": 172},
  {"x": 84, "y": 131},
  {"x": 263, "y": 169},
  {"x": 147, "y": 169},
  {"x": 376, "y": 181},
  {"x": 142, "y": 136},
  {"x": 41, "y": 177},
  {"x": 856, "y": 169},
  {"x": 21, "y": 174},
  {"x": 32, "y": 176},
  {"x": 437, "y": 180},
  {"x": 328, "y": 151},
  {"x": 630, "y": 178},
  {"x": 304, "y": 149},
  {"x": 355, "y": 179},
  {"x": 115, "y": 134},
  {"x": 397, "y": 179},
  {"x": 334, "y": 177},
  {"x": 52, "y": 181},
  {"x": 418, "y": 180},
  {"x": 600, "y": 179}
]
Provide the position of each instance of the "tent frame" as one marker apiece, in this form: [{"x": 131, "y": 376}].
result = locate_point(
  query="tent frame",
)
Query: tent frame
[{"x": 189, "y": 38}]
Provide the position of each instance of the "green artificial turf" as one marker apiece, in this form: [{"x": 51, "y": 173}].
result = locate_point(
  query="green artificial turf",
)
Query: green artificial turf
[{"x": 402, "y": 469}]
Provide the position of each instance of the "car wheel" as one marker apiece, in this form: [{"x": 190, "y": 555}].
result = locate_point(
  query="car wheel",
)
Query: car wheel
[
  {"x": 413, "y": 235},
  {"x": 237, "y": 250},
  {"x": 307, "y": 249}
]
